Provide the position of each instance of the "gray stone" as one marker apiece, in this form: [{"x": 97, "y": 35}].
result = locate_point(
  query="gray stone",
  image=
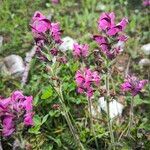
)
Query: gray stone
[
  {"x": 12, "y": 65},
  {"x": 145, "y": 62},
  {"x": 146, "y": 49},
  {"x": 115, "y": 107},
  {"x": 67, "y": 44}
]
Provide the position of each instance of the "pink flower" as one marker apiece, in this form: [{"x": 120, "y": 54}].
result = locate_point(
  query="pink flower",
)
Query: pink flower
[
  {"x": 80, "y": 50},
  {"x": 17, "y": 99},
  {"x": 111, "y": 51},
  {"x": 56, "y": 32},
  {"x": 13, "y": 109},
  {"x": 39, "y": 26},
  {"x": 102, "y": 42},
  {"x": 112, "y": 43},
  {"x": 39, "y": 23},
  {"x": 146, "y": 3},
  {"x": 28, "y": 103},
  {"x": 85, "y": 80},
  {"x": 118, "y": 28},
  {"x": 95, "y": 78},
  {"x": 133, "y": 85},
  {"x": 107, "y": 23},
  {"x": 17, "y": 95},
  {"x": 122, "y": 38},
  {"x": 54, "y": 51},
  {"x": 8, "y": 126},
  {"x": 28, "y": 121},
  {"x": 4, "y": 103},
  {"x": 45, "y": 32}
]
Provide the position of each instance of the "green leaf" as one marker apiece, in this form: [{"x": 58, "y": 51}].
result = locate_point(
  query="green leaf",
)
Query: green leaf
[
  {"x": 54, "y": 113},
  {"x": 35, "y": 129},
  {"x": 37, "y": 120},
  {"x": 139, "y": 101},
  {"x": 47, "y": 93},
  {"x": 45, "y": 118}
]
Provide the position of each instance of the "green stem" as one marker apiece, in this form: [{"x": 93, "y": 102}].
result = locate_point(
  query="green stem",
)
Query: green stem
[
  {"x": 71, "y": 127},
  {"x": 108, "y": 113},
  {"x": 131, "y": 116},
  {"x": 91, "y": 122}
]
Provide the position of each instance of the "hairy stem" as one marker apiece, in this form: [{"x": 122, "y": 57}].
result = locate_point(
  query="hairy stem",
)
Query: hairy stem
[
  {"x": 108, "y": 113},
  {"x": 131, "y": 116},
  {"x": 67, "y": 117},
  {"x": 91, "y": 122}
]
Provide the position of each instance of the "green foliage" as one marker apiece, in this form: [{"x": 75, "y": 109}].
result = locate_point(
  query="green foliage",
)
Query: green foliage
[
  {"x": 47, "y": 93},
  {"x": 78, "y": 20}
]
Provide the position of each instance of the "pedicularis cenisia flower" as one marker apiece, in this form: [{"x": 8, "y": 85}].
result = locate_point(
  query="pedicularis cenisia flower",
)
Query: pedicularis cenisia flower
[
  {"x": 112, "y": 39},
  {"x": 47, "y": 35},
  {"x": 133, "y": 85},
  {"x": 107, "y": 23},
  {"x": 85, "y": 80},
  {"x": 80, "y": 51},
  {"x": 14, "y": 110},
  {"x": 146, "y": 3},
  {"x": 41, "y": 27}
]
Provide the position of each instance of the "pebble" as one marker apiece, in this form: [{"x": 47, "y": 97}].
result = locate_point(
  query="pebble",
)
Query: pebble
[
  {"x": 146, "y": 49},
  {"x": 12, "y": 65},
  {"x": 145, "y": 62},
  {"x": 115, "y": 107},
  {"x": 67, "y": 44}
]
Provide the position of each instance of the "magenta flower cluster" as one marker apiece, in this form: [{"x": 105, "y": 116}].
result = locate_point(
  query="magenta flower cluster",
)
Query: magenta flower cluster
[
  {"x": 80, "y": 51},
  {"x": 85, "y": 80},
  {"x": 14, "y": 110},
  {"x": 45, "y": 33},
  {"x": 107, "y": 23},
  {"x": 113, "y": 39},
  {"x": 133, "y": 85},
  {"x": 41, "y": 27},
  {"x": 146, "y": 3}
]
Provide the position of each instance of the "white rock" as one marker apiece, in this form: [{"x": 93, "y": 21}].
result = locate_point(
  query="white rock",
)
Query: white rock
[
  {"x": 115, "y": 107},
  {"x": 145, "y": 62},
  {"x": 146, "y": 49},
  {"x": 1, "y": 41},
  {"x": 13, "y": 65},
  {"x": 67, "y": 44}
]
